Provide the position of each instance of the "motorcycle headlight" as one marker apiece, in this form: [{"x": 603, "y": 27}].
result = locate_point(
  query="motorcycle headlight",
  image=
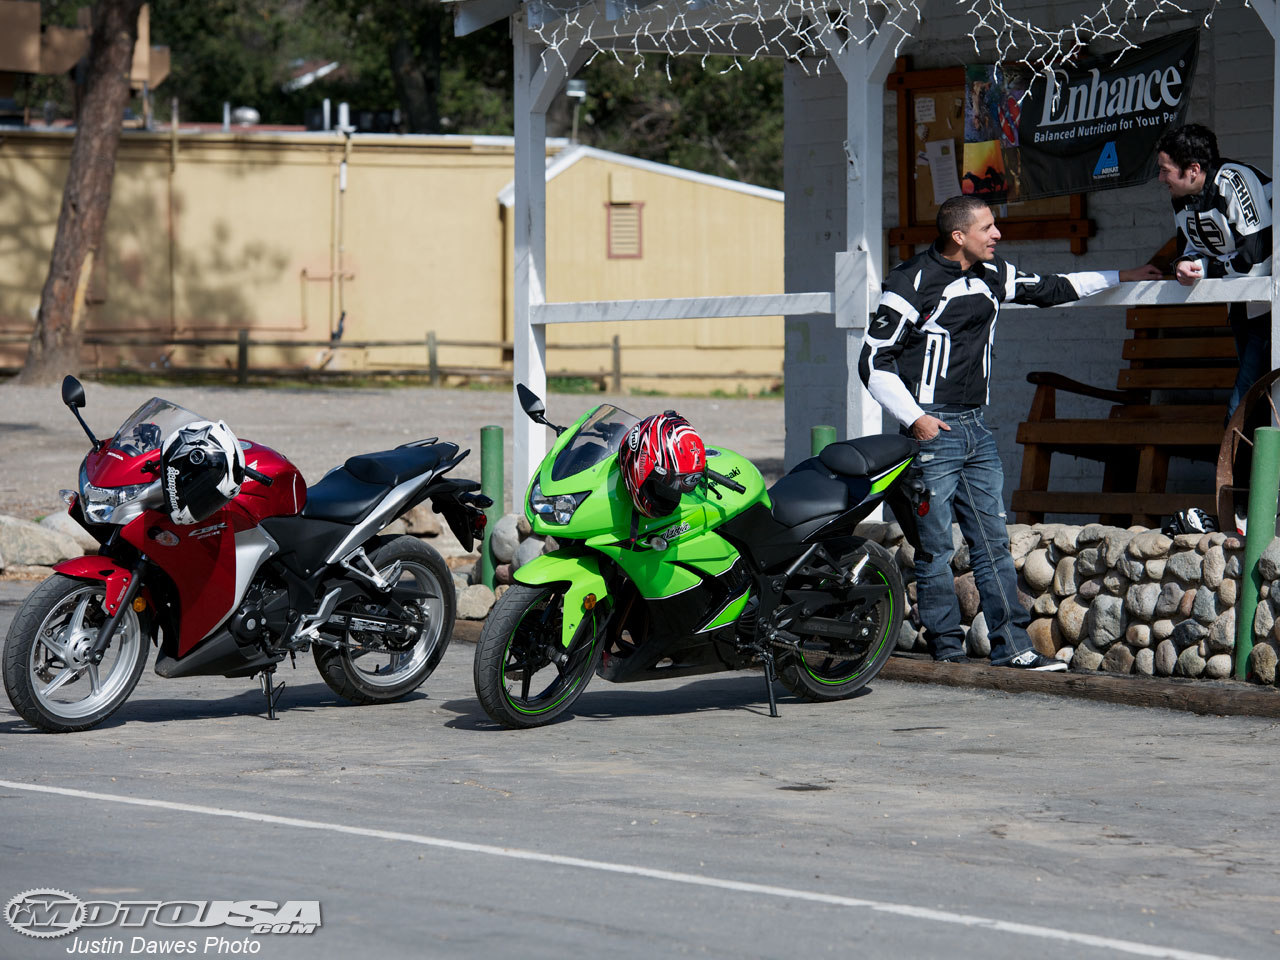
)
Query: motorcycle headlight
[
  {"x": 100, "y": 503},
  {"x": 556, "y": 509}
]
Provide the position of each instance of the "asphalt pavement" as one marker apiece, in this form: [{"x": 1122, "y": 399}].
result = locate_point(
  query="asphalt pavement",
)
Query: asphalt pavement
[{"x": 672, "y": 818}]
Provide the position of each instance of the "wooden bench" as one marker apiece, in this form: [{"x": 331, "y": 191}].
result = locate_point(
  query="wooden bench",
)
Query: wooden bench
[{"x": 1187, "y": 354}]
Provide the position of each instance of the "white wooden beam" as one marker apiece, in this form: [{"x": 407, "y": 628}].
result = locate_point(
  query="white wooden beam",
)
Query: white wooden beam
[
  {"x": 684, "y": 308},
  {"x": 1266, "y": 11},
  {"x": 1169, "y": 292},
  {"x": 475, "y": 14}
]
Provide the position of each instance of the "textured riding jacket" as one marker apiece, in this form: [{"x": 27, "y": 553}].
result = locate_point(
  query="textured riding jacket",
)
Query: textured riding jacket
[
  {"x": 930, "y": 341},
  {"x": 1226, "y": 227}
]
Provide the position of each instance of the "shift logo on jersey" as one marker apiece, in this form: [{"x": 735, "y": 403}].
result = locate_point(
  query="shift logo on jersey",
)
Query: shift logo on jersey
[
  {"x": 1243, "y": 197},
  {"x": 1108, "y": 162}
]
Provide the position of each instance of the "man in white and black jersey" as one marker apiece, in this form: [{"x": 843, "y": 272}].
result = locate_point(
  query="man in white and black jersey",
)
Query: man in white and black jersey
[
  {"x": 927, "y": 360},
  {"x": 1222, "y": 209}
]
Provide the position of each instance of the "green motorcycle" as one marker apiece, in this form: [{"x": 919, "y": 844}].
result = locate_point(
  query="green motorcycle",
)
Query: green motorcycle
[{"x": 737, "y": 576}]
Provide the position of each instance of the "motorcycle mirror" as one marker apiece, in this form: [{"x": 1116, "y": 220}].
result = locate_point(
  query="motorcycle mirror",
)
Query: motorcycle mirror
[
  {"x": 72, "y": 392},
  {"x": 73, "y": 397},
  {"x": 530, "y": 402},
  {"x": 532, "y": 405}
]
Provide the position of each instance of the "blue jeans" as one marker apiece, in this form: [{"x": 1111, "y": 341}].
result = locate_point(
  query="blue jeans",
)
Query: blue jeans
[
  {"x": 1253, "y": 347},
  {"x": 966, "y": 484}
]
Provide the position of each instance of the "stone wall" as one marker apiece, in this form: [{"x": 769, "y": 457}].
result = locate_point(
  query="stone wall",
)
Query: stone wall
[{"x": 1116, "y": 600}]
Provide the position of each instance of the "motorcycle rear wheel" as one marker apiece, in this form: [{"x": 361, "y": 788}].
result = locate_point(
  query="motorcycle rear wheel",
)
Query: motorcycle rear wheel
[
  {"x": 47, "y": 674},
  {"x": 829, "y": 668},
  {"x": 523, "y": 675},
  {"x": 382, "y": 673}
]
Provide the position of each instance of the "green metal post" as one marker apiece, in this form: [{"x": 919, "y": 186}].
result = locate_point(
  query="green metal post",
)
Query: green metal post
[
  {"x": 819, "y": 437},
  {"x": 1264, "y": 483},
  {"x": 491, "y": 482}
]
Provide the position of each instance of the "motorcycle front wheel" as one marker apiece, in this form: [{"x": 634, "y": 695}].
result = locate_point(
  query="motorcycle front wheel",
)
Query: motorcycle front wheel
[
  {"x": 48, "y": 675},
  {"x": 835, "y": 668},
  {"x": 385, "y": 653},
  {"x": 524, "y": 675}
]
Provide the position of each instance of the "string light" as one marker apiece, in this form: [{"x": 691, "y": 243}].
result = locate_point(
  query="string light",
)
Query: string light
[{"x": 808, "y": 32}]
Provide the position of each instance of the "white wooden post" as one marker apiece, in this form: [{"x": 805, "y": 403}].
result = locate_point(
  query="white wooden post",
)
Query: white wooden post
[
  {"x": 528, "y": 440},
  {"x": 865, "y": 68},
  {"x": 538, "y": 80}
]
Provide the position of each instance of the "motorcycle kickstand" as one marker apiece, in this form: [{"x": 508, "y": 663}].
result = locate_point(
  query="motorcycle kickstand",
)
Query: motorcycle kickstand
[
  {"x": 770, "y": 675},
  {"x": 272, "y": 691}
]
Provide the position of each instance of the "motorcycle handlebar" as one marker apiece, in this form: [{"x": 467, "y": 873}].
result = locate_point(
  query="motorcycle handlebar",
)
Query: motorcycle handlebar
[
  {"x": 262, "y": 478},
  {"x": 733, "y": 485}
]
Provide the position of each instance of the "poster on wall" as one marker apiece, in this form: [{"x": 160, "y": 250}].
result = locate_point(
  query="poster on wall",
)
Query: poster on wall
[{"x": 1091, "y": 127}]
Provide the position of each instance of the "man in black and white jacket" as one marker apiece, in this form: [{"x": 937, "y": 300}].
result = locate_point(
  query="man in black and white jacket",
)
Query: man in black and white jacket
[
  {"x": 1223, "y": 213},
  {"x": 927, "y": 360}
]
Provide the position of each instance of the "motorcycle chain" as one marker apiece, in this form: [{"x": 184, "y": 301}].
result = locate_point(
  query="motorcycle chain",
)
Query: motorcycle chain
[{"x": 816, "y": 657}]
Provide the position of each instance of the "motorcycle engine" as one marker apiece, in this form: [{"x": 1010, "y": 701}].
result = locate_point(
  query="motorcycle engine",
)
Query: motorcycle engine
[{"x": 262, "y": 617}]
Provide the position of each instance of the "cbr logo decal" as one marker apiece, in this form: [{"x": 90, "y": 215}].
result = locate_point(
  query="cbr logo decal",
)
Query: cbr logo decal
[{"x": 206, "y": 532}]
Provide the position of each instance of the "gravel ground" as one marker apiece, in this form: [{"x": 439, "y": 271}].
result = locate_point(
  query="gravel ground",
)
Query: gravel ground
[{"x": 41, "y": 444}]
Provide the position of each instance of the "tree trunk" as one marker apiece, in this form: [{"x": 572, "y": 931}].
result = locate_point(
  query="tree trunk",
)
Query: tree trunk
[
  {"x": 415, "y": 56},
  {"x": 55, "y": 343},
  {"x": 413, "y": 89}
]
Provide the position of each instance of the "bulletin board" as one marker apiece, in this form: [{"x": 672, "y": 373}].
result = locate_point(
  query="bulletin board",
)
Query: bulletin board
[{"x": 930, "y": 138}]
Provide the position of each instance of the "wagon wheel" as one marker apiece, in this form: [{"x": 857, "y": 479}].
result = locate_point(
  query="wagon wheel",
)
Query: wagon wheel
[{"x": 1235, "y": 456}]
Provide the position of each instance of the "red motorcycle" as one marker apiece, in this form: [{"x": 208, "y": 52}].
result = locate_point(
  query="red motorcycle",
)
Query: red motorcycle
[{"x": 216, "y": 551}]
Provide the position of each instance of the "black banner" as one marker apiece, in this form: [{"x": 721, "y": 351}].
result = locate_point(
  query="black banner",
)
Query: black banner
[{"x": 1092, "y": 127}]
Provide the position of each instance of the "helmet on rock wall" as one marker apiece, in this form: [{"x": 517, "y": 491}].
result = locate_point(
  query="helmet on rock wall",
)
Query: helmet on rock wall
[{"x": 662, "y": 457}]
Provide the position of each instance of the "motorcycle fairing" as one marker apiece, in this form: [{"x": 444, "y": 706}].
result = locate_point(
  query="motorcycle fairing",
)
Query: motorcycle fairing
[
  {"x": 112, "y": 574},
  {"x": 580, "y": 571},
  {"x": 202, "y": 560}
]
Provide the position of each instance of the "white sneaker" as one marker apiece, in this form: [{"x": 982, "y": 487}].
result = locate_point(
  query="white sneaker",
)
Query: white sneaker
[{"x": 1030, "y": 660}]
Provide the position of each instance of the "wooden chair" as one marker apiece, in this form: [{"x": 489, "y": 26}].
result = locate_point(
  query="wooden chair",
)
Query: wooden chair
[
  {"x": 1185, "y": 352},
  {"x": 1235, "y": 457}
]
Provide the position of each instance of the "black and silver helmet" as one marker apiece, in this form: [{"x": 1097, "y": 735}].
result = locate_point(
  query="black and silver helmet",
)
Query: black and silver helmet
[{"x": 201, "y": 470}]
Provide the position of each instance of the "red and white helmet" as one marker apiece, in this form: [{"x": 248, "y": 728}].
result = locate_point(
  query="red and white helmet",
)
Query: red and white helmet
[{"x": 661, "y": 458}]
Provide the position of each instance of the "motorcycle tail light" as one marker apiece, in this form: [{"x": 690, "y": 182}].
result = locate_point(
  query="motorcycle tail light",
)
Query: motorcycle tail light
[{"x": 923, "y": 509}]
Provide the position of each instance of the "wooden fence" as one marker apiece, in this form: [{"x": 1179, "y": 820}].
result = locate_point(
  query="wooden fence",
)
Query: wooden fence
[{"x": 433, "y": 370}]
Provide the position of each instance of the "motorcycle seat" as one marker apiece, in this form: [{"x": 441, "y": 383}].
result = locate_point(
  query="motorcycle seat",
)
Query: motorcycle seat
[
  {"x": 867, "y": 456},
  {"x": 393, "y": 467},
  {"x": 342, "y": 498},
  {"x": 806, "y": 494}
]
